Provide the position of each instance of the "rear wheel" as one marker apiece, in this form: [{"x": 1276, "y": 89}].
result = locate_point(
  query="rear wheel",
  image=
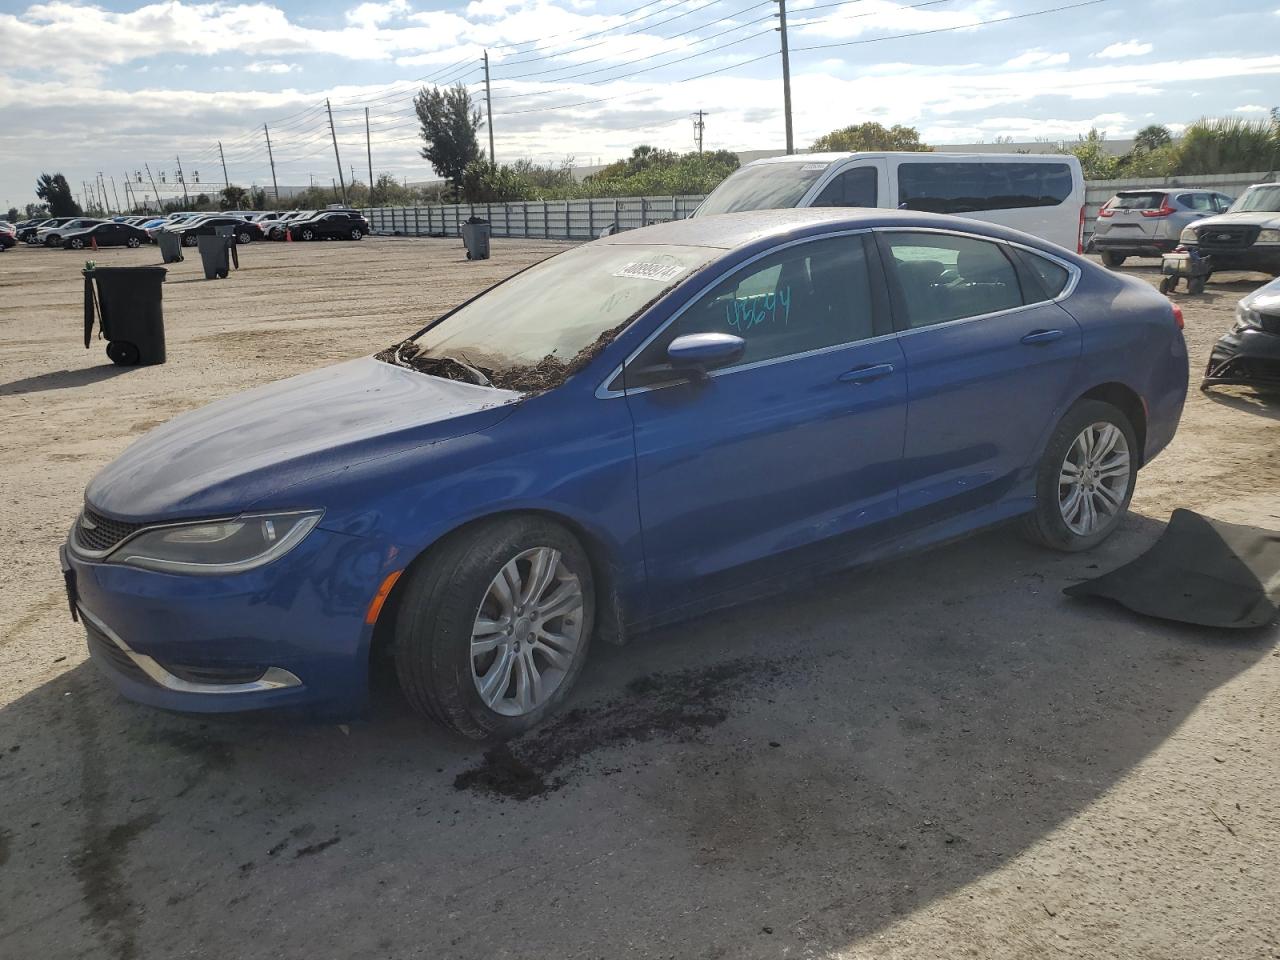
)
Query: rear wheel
[
  {"x": 356, "y": 233},
  {"x": 308, "y": 234},
  {"x": 75, "y": 243},
  {"x": 133, "y": 242},
  {"x": 1086, "y": 478},
  {"x": 1112, "y": 259},
  {"x": 122, "y": 353},
  {"x": 493, "y": 628},
  {"x": 189, "y": 240},
  {"x": 244, "y": 236},
  {"x": 1168, "y": 283}
]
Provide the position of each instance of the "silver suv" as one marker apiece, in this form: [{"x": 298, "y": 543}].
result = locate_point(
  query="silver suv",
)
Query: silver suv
[
  {"x": 1147, "y": 223},
  {"x": 1246, "y": 237}
]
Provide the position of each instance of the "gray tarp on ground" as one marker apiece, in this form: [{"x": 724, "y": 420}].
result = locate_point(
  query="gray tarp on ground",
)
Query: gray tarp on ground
[{"x": 1200, "y": 571}]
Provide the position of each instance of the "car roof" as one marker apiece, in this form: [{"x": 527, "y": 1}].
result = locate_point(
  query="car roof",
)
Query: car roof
[
  {"x": 915, "y": 155},
  {"x": 731, "y": 231}
]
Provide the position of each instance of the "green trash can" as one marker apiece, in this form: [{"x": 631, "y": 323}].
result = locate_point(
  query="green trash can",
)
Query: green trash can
[
  {"x": 170, "y": 246},
  {"x": 475, "y": 237},
  {"x": 214, "y": 254},
  {"x": 130, "y": 312}
]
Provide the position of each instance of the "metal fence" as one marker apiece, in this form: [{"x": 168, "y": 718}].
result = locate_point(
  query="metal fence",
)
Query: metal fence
[
  {"x": 547, "y": 219},
  {"x": 584, "y": 219}
]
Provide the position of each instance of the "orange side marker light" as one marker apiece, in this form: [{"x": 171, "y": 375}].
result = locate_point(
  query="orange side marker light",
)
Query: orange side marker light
[{"x": 379, "y": 598}]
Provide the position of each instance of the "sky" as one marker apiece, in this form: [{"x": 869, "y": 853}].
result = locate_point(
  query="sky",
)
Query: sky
[{"x": 122, "y": 87}]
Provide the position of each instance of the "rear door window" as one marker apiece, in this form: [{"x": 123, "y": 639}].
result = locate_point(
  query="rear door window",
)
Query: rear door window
[
  {"x": 941, "y": 277},
  {"x": 971, "y": 187},
  {"x": 852, "y": 188},
  {"x": 1200, "y": 202}
]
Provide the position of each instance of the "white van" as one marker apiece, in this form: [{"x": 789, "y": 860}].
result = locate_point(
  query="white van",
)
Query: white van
[{"x": 1042, "y": 195}]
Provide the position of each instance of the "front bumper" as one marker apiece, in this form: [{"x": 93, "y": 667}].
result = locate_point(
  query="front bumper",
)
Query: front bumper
[
  {"x": 1250, "y": 358},
  {"x": 1262, "y": 258},
  {"x": 289, "y": 634}
]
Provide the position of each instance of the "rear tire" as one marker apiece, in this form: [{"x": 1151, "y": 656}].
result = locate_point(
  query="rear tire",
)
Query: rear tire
[
  {"x": 122, "y": 353},
  {"x": 244, "y": 237},
  {"x": 1168, "y": 284},
  {"x": 1112, "y": 259},
  {"x": 447, "y": 610},
  {"x": 308, "y": 234},
  {"x": 356, "y": 233},
  {"x": 1048, "y": 523},
  {"x": 189, "y": 240},
  {"x": 133, "y": 242}
]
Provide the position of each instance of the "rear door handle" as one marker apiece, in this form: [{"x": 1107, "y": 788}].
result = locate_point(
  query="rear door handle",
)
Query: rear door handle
[
  {"x": 1042, "y": 336},
  {"x": 866, "y": 374}
]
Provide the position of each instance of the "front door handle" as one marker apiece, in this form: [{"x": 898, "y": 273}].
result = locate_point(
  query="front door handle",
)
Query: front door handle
[
  {"x": 1042, "y": 336},
  {"x": 866, "y": 374}
]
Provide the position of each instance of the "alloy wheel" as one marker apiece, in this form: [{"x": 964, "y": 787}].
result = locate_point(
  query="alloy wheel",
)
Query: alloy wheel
[
  {"x": 527, "y": 632},
  {"x": 1093, "y": 483}
]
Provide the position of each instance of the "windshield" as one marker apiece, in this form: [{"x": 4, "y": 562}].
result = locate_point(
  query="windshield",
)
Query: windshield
[
  {"x": 1264, "y": 199},
  {"x": 546, "y": 323},
  {"x": 769, "y": 186}
]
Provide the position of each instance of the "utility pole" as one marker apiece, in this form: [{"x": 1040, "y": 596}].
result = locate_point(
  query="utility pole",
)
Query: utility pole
[
  {"x": 488, "y": 107},
  {"x": 102, "y": 186},
  {"x": 368, "y": 147},
  {"x": 128, "y": 197},
  {"x": 699, "y": 124},
  {"x": 186, "y": 197},
  {"x": 116, "y": 193},
  {"x": 274, "y": 186},
  {"x": 786, "y": 74},
  {"x": 159, "y": 202},
  {"x": 333, "y": 133},
  {"x": 226, "y": 181}
]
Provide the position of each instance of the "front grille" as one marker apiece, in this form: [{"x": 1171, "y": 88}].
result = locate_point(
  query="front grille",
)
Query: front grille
[
  {"x": 1226, "y": 238},
  {"x": 101, "y": 644},
  {"x": 97, "y": 533}
]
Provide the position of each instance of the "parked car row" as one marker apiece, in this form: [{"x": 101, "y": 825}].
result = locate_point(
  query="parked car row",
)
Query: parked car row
[{"x": 78, "y": 233}]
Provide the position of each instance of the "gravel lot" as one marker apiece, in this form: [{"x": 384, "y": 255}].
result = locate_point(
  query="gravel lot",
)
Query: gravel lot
[{"x": 943, "y": 757}]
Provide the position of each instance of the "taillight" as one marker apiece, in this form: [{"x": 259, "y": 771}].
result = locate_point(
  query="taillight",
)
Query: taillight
[
  {"x": 1162, "y": 211},
  {"x": 1106, "y": 210},
  {"x": 1177, "y": 316},
  {"x": 1080, "y": 232}
]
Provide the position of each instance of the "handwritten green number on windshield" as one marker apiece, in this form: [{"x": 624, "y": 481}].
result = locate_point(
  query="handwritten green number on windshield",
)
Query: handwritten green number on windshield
[{"x": 744, "y": 313}]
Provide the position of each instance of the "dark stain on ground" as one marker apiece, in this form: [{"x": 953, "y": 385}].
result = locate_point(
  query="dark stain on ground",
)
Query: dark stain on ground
[
  {"x": 661, "y": 706},
  {"x": 101, "y": 863},
  {"x": 211, "y": 755},
  {"x": 5, "y": 845},
  {"x": 315, "y": 847}
]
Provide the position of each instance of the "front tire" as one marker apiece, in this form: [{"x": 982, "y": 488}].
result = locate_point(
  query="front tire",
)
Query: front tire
[
  {"x": 308, "y": 234},
  {"x": 1085, "y": 479},
  {"x": 133, "y": 242},
  {"x": 1112, "y": 259},
  {"x": 189, "y": 241},
  {"x": 494, "y": 626}
]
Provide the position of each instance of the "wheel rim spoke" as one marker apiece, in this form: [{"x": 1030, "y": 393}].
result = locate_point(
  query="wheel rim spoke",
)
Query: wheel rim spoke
[
  {"x": 1094, "y": 478},
  {"x": 517, "y": 660}
]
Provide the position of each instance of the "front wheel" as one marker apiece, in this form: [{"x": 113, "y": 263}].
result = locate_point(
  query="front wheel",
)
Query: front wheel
[
  {"x": 494, "y": 626},
  {"x": 308, "y": 234},
  {"x": 133, "y": 242},
  {"x": 1112, "y": 259},
  {"x": 1086, "y": 478}
]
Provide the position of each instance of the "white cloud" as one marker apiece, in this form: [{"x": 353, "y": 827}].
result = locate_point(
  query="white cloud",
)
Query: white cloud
[
  {"x": 375, "y": 14},
  {"x": 1125, "y": 48},
  {"x": 272, "y": 67},
  {"x": 1251, "y": 108},
  {"x": 1038, "y": 57}
]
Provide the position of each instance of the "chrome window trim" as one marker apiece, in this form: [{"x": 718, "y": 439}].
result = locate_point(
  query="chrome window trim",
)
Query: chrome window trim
[
  {"x": 1073, "y": 279},
  {"x": 273, "y": 678},
  {"x": 604, "y": 393}
]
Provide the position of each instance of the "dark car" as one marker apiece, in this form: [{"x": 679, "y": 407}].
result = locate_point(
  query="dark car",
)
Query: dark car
[
  {"x": 109, "y": 234},
  {"x": 8, "y": 235},
  {"x": 331, "y": 225},
  {"x": 51, "y": 235},
  {"x": 1249, "y": 353},
  {"x": 635, "y": 431},
  {"x": 244, "y": 231},
  {"x": 1246, "y": 237}
]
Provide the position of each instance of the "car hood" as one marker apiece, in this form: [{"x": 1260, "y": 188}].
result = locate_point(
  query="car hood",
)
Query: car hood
[
  {"x": 1254, "y": 218},
  {"x": 243, "y": 450}
]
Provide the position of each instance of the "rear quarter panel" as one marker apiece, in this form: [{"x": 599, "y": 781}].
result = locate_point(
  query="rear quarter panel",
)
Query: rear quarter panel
[{"x": 1130, "y": 338}]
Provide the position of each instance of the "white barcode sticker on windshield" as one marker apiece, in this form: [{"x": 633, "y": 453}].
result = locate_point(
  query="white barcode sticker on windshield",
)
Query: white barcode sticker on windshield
[{"x": 639, "y": 270}]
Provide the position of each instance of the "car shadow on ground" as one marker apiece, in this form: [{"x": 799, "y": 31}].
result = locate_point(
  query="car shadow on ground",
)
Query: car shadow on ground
[
  {"x": 784, "y": 778},
  {"x": 1259, "y": 402},
  {"x": 62, "y": 379}
]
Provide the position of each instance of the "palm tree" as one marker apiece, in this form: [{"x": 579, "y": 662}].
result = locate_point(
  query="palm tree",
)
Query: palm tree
[{"x": 1152, "y": 137}]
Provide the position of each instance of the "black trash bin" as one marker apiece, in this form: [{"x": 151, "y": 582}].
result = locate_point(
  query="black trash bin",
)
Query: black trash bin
[
  {"x": 130, "y": 311},
  {"x": 214, "y": 254},
  {"x": 475, "y": 237}
]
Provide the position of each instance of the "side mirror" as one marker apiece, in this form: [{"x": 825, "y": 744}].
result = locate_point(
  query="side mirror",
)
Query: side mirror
[{"x": 699, "y": 352}]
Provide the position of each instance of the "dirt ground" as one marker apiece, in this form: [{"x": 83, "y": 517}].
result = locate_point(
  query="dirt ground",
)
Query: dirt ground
[{"x": 943, "y": 757}]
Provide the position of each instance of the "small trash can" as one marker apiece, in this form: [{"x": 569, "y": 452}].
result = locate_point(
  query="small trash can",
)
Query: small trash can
[
  {"x": 214, "y": 255},
  {"x": 475, "y": 237},
  {"x": 130, "y": 312},
  {"x": 233, "y": 245},
  {"x": 170, "y": 246}
]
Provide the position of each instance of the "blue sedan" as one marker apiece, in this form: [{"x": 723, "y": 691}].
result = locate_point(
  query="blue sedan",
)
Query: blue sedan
[{"x": 646, "y": 427}]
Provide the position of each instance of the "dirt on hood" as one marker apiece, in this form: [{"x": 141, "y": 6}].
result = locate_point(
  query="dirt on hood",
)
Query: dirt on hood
[{"x": 547, "y": 374}]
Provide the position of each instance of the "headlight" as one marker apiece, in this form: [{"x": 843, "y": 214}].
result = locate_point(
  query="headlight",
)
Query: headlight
[
  {"x": 217, "y": 546},
  {"x": 1188, "y": 235},
  {"x": 1268, "y": 236},
  {"x": 1246, "y": 319}
]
